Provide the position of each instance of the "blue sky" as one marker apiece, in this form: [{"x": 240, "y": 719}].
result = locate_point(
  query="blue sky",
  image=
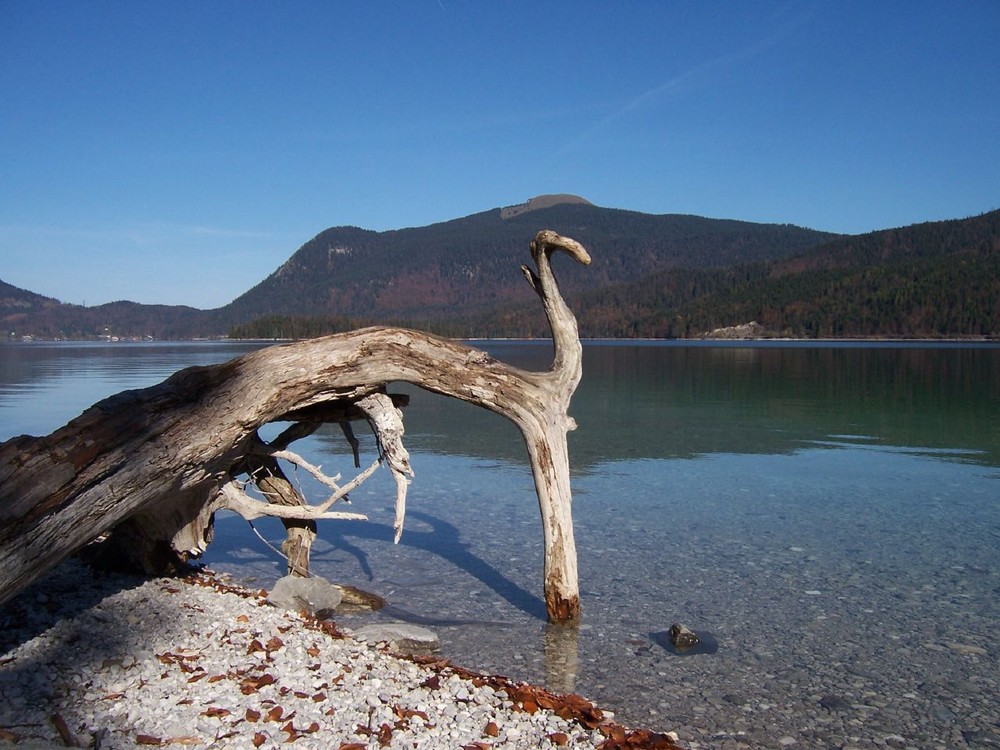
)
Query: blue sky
[{"x": 178, "y": 152}]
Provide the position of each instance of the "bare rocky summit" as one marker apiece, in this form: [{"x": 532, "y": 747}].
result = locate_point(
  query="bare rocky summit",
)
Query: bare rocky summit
[{"x": 541, "y": 201}]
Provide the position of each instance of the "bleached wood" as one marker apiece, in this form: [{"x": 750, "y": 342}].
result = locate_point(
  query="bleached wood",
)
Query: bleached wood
[
  {"x": 315, "y": 471},
  {"x": 156, "y": 460},
  {"x": 387, "y": 422},
  {"x": 231, "y": 497}
]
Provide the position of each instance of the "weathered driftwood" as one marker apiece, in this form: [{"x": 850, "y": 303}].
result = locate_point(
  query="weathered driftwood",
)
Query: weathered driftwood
[{"x": 151, "y": 466}]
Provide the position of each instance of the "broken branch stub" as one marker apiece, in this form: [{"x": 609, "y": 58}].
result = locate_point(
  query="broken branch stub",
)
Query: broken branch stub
[{"x": 156, "y": 463}]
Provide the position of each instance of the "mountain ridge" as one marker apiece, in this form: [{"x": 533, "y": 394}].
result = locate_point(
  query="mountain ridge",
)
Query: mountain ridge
[{"x": 461, "y": 277}]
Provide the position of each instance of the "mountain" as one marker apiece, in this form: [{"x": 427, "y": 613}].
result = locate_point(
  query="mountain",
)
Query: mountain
[
  {"x": 19, "y": 308},
  {"x": 930, "y": 280},
  {"x": 457, "y": 268},
  {"x": 652, "y": 275},
  {"x": 29, "y": 315}
]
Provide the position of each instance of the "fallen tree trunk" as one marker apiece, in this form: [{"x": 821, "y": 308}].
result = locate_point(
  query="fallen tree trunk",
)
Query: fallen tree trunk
[{"x": 151, "y": 466}]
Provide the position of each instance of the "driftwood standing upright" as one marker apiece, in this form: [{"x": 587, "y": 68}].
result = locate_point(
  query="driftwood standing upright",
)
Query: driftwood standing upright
[{"x": 151, "y": 466}]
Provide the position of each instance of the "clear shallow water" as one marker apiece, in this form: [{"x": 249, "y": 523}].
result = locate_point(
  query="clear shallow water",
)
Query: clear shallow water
[{"x": 830, "y": 515}]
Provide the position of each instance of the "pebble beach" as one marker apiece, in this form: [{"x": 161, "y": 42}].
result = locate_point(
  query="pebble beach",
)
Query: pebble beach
[{"x": 109, "y": 661}]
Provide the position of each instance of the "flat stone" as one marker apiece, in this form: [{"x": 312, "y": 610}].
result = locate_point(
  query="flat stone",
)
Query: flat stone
[
  {"x": 965, "y": 648},
  {"x": 315, "y": 595},
  {"x": 401, "y": 636}
]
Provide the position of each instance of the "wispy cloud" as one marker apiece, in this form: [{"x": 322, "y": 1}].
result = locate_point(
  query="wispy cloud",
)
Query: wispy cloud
[{"x": 702, "y": 75}]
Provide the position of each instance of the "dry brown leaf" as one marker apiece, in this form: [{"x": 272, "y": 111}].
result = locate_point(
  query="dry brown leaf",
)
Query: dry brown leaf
[
  {"x": 68, "y": 738},
  {"x": 408, "y": 713},
  {"x": 253, "y": 684},
  {"x": 274, "y": 644},
  {"x": 384, "y": 735}
]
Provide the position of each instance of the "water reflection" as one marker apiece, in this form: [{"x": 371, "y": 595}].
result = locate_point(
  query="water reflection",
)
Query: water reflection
[
  {"x": 686, "y": 401},
  {"x": 635, "y": 401},
  {"x": 562, "y": 656},
  {"x": 44, "y": 385}
]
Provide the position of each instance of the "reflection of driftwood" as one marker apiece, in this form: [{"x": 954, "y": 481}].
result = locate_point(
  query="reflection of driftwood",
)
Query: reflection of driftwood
[{"x": 151, "y": 466}]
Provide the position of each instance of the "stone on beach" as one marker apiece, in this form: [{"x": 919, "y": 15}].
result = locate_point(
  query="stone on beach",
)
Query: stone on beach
[{"x": 314, "y": 595}]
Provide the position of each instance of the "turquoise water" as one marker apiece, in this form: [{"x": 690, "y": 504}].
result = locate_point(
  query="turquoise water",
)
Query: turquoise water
[{"x": 828, "y": 515}]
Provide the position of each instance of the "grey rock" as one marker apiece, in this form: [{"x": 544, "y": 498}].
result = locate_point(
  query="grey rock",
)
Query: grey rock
[
  {"x": 315, "y": 595},
  {"x": 835, "y": 703},
  {"x": 401, "y": 636}
]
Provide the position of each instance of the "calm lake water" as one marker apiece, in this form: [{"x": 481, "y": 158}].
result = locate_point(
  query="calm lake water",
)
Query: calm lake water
[{"x": 826, "y": 515}]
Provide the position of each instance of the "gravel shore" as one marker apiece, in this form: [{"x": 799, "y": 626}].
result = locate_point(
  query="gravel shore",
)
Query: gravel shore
[{"x": 109, "y": 661}]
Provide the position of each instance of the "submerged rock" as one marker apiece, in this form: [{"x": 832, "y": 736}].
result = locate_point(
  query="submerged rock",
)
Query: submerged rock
[
  {"x": 681, "y": 636},
  {"x": 315, "y": 595},
  {"x": 682, "y": 641},
  {"x": 835, "y": 703},
  {"x": 355, "y": 598},
  {"x": 401, "y": 636}
]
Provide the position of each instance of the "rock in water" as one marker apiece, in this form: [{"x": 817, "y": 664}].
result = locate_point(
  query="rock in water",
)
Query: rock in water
[
  {"x": 682, "y": 636},
  {"x": 355, "y": 598},
  {"x": 401, "y": 636},
  {"x": 315, "y": 595}
]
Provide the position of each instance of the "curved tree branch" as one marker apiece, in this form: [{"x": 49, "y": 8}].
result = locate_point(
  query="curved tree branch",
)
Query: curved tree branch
[{"x": 171, "y": 449}]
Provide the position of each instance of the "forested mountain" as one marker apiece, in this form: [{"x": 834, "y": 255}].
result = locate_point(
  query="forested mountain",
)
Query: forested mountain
[
  {"x": 26, "y": 314},
  {"x": 652, "y": 276},
  {"x": 932, "y": 280},
  {"x": 20, "y": 310},
  {"x": 458, "y": 268}
]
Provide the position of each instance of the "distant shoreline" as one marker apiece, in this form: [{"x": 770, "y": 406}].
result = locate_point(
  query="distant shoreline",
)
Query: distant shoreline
[{"x": 702, "y": 340}]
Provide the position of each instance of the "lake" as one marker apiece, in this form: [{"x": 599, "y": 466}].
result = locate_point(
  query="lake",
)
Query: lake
[{"x": 825, "y": 515}]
